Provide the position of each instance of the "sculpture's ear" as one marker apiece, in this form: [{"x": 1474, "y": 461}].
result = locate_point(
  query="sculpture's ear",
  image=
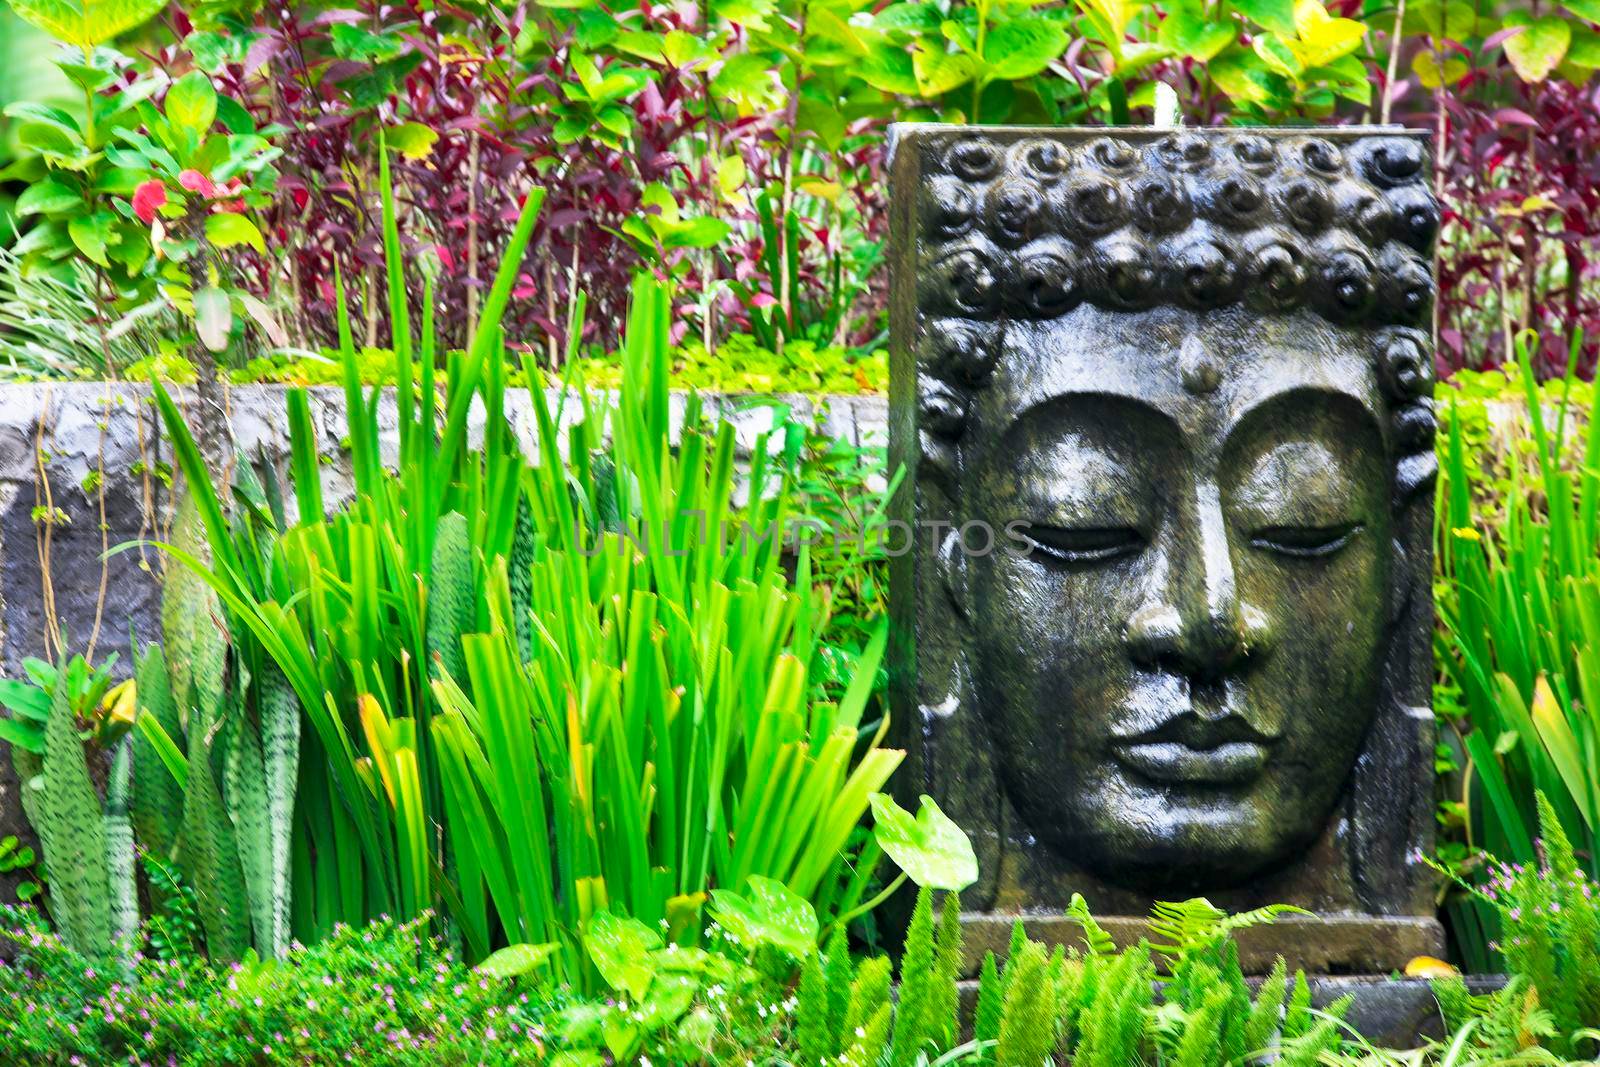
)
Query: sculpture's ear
[{"x": 955, "y": 571}]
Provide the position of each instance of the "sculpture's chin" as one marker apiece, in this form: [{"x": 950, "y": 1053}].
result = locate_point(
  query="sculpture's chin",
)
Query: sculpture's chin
[{"x": 1207, "y": 841}]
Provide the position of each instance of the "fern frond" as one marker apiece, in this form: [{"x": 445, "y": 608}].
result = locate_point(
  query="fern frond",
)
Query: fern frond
[{"x": 1098, "y": 941}]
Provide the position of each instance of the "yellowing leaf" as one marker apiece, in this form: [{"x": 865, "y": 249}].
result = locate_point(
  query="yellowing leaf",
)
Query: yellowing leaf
[
  {"x": 823, "y": 190},
  {"x": 413, "y": 140},
  {"x": 1321, "y": 38},
  {"x": 1429, "y": 967},
  {"x": 939, "y": 72},
  {"x": 1431, "y": 75},
  {"x": 731, "y": 175},
  {"x": 1536, "y": 49}
]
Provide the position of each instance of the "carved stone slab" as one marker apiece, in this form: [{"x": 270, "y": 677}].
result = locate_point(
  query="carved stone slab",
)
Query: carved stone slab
[{"x": 1163, "y": 399}]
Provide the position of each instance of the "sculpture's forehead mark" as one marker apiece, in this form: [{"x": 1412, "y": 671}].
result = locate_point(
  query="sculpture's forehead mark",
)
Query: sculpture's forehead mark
[{"x": 1206, "y": 374}]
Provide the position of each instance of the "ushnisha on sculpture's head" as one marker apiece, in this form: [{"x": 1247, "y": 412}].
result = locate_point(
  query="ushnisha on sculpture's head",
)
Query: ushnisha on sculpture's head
[{"x": 1190, "y": 379}]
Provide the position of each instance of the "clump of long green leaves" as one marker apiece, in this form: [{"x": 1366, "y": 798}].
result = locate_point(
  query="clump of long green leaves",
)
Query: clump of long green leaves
[
  {"x": 1520, "y": 642},
  {"x": 538, "y": 692},
  {"x": 646, "y": 628}
]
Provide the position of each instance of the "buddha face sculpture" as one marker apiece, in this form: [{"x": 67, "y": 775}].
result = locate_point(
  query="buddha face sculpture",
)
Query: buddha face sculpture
[{"x": 1174, "y": 397}]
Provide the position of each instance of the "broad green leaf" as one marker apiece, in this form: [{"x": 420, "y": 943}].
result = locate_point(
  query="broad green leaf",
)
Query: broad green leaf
[
  {"x": 932, "y": 850},
  {"x": 919, "y": 19},
  {"x": 92, "y": 79},
  {"x": 191, "y": 103},
  {"x": 516, "y": 960},
  {"x": 1429, "y": 73},
  {"x": 213, "y": 321},
  {"x": 620, "y": 949},
  {"x": 937, "y": 71},
  {"x": 1275, "y": 15},
  {"x": 1535, "y": 50},
  {"x": 1278, "y": 55},
  {"x": 92, "y": 234},
  {"x": 412, "y": 139},
  {"x": 703, "y": 232},
  {"x": 87, "y": 23},
  {"x": 226, "y": 229},
  {"x": 1195, "y": 37},
  {"x": 770, "y": 913},
  {"x": 888, "y": 69},
  {"x": 1588, "y": 10},
  {"x": 1584, "y": 51},
  {"x": 1449, "y": 20},
  {"x": 1242, "y": 76},
  {"x": 48, "y": 197},
  {"x": 48, "y": 137},
  {"x": 1023, "y": 46},
  {"x": 353, "y": 42}
]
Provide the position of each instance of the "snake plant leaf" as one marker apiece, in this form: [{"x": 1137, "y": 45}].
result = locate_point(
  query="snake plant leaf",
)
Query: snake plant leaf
[
  {"x": 183, "y": 604},
  {"x": 932, "y": 850},
  {"x": 245, "y": 794},
  {"x": 450, "y": 596},
  {"x": 519, "y": 567},
  {"x": 119, "y": 855},
  {"x": 157, "y": 797},
  {"x": 72, "y": 833},
  {"x": 280, "y": 752},
  {"x": 209, "y": 856},
  {"x": 770, "y": 914}
]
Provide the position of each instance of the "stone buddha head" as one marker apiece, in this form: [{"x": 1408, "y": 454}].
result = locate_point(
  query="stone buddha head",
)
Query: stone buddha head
[{"x": 1172, "y": 420}]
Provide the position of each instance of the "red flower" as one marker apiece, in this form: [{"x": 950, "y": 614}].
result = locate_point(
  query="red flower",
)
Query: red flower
[
  {"x": 150, "y": 197},
  {"x": 196, "y": 182}
]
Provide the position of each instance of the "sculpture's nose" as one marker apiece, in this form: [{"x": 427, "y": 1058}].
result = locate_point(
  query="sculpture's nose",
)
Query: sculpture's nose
[{"x": 1196, "y": 623}]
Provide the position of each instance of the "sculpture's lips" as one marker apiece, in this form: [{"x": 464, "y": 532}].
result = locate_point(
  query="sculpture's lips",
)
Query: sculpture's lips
[
  {"x": 1190, "y": 749},
  {"x": 1230, "y": 763}
]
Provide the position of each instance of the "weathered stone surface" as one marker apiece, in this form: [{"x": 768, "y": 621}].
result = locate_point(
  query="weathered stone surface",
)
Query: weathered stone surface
[
  {"x": 1393, "y": 1013},
  {"x": 1337, "y": 945},
  {"x": 1163, "y": 399}
]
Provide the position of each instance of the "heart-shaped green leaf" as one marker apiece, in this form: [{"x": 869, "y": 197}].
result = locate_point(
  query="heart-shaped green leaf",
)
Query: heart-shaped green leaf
[
  {"x": 192, "y": 103},
  {"x": 769, "y": 914},
  {"x": 620, "y": 948},
  {"x": 515, "y": 960},
  {"x": 227, "y": 229},
  {"x": 48, "y": 197},
  {"x": 1023, "y": 46},
  {"x": 1535, "y": 50},
  {"x": 1195, "y": 37},
  {"x": 1275, "y": 15},
  {"x": 932, "y": 850}
]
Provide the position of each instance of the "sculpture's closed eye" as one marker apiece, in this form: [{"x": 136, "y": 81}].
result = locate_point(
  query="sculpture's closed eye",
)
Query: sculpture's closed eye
[
  {"x": 1081, "y": 545},
  {"x": 1305, "y": 542}
]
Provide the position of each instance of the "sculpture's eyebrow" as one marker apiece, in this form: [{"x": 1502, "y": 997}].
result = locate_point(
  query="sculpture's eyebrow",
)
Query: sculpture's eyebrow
[
  {"x": 1314, "y": 400},
  {"x": 1134, "y": 408}
]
